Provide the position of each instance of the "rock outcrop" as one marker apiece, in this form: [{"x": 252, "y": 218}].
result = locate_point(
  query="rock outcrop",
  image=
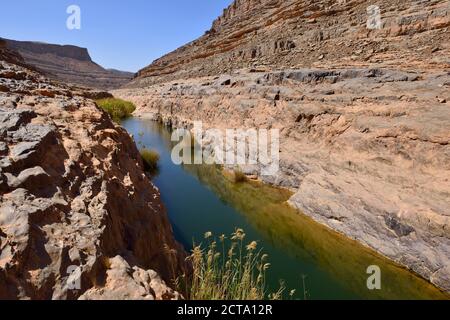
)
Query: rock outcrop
[
  {"x": 69, "y": 64},
  {"x": 79, "y": 218},
  {"x": 363, "y": 113}
]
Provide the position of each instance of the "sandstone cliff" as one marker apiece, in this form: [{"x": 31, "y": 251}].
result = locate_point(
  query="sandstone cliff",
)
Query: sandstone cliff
[
  {"x": 78, "y": 216},
  {"x": 363, "y": 114},
  {"x": 69, "y": 64}
]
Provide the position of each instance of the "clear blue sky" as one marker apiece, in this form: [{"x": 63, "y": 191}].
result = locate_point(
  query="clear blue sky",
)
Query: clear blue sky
[{"x": 125, "y": 35}]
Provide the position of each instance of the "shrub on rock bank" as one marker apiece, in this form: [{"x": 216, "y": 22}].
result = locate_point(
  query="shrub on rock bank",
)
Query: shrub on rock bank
[
  {"x": 151, "y": 159},
  {"x": 117, "y": 108},
  {"x": 239, "y": 176}
]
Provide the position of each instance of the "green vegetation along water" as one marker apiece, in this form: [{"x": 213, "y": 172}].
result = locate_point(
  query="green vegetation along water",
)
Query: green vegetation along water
[{"x": 202, "y": 198}]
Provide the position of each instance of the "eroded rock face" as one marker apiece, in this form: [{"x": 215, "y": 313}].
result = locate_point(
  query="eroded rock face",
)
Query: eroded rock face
[
  {"x": 124, "y": 282},
  {"x": 75, "y": 204},
  {"x": 363, "y": 114}
]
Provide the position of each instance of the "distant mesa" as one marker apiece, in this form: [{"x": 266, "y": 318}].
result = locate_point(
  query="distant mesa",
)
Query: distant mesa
[{"x": 68, "y": 63}]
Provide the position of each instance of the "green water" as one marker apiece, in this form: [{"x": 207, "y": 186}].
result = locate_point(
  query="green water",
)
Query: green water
[{"x": 201, "y": 198}]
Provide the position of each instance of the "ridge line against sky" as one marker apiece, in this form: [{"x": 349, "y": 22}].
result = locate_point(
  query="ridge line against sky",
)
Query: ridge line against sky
[{"x": 119, "y": 35}]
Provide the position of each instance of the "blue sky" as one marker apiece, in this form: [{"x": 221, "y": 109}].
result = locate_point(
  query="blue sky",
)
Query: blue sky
[{"x": 125, "y": 35}]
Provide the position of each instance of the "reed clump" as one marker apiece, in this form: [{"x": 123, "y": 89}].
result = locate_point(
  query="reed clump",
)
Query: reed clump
[{"x": 228, "y": 269}]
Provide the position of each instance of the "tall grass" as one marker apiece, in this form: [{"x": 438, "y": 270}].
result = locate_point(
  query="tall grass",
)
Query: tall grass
[
  {"x": 117, "y": 108},
  {"x": 228, "y": 269}
]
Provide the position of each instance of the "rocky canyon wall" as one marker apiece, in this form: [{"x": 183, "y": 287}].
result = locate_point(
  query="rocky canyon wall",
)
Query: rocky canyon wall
[
  {"x": 363, "y": 114},
  {"x": 279, "y": 34},
  {"x": 79, "y": 218}
]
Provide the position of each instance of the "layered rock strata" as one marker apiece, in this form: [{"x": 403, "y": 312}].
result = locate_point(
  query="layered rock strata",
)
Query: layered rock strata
[{"x": 280, "y": 34}]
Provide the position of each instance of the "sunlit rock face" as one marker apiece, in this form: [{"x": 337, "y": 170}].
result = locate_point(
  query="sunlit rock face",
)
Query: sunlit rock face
[{"x": 362, "y": 108}]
